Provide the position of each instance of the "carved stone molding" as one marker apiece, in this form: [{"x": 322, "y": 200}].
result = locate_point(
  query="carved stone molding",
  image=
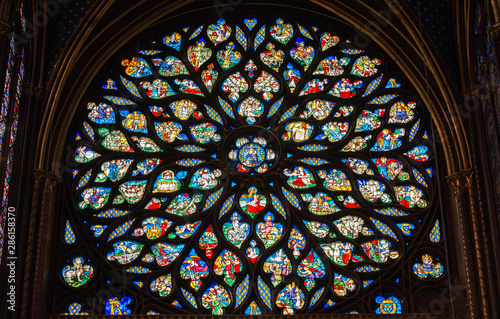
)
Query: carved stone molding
[
  {"x": 4, "y": 27},
  {"x": 460, "y": 181},
  {"x": 470, "y": 92},
  {"x": 495, "y": 31},
  {"x": 32, "y": 90}
]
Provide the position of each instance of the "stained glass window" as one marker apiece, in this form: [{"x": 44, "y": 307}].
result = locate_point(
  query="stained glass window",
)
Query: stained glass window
[
  {"x": 9, "y": 116},
  {"x": 252, "y": 167}
]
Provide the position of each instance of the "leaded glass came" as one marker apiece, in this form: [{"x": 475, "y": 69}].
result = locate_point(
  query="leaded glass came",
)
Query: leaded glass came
[{"x": 256, "y": 167}]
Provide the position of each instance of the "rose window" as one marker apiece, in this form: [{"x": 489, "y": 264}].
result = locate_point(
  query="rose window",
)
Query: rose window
[{"x": 256, "y": 167}]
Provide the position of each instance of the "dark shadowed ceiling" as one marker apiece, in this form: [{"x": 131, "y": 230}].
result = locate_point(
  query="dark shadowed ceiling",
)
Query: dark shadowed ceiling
[{"x": 436, "y": 18}]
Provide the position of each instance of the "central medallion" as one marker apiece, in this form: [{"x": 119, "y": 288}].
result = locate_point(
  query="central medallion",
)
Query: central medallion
[{"x": 252, "y": 149}]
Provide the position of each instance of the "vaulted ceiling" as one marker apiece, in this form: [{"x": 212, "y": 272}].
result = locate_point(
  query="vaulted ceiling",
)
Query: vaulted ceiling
[{"x": 436, "y": 18}]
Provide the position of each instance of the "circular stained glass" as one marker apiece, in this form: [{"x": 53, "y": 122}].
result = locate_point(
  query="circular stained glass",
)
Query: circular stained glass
[{"x": 252, "y": 167}]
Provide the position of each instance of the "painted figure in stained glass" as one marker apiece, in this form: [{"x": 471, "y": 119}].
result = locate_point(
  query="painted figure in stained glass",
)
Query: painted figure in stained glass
[
  {"x": 402, "y": 112},
  {"x": 114, "y": 170},
  {"x": 96, "y": 197},
  {"x": 250, "y": 68},
  {"x": 137, "y": 67},
  {"x": 167, "y": 182},
  {"x": 253, "y": 251},
  {"x": 302, "y": 54},
  {"x": 311, "y": 268},
  {"x": 251, "y": 108},
  {"x": 229, "y": 57},
  {"x": 228, "y": 265},
  {"x": 427, "y": 268},
  {"x": 199, "y": 54},
  {"x": 157, "y": 111},
  {"x": 357, "y": 144},
  {"x": 125, "y": 252},
  {"x": 358, "y": 166},
  {"x": 135, "y": 121},
  {"x": 234, "y": 85},
  {"x": 183, "y": 109},
  {"x": 204, "y": 132},
  {"x": 344, "y": 110},
  {"x": 235, "y": 231},
  {"x": 115, "y": 306},
  {"x": 78, "y": 274},
  {"x": 296, "y": 242},
  {"x": 184, "y": 231},
  {"x": 209, "y": 76},
  {"x": 165, "y": 253},
  {"x": 352, "y": 226},
  {"x": 334, "y": 131},
  {"x": 379, "y": 251},
  {"x": 253, "y": 202},
  {"x": 319, "y": 109},
  {"x": 328, "y": 41},
  {"x": 267, "y": 85},
  {"x": 336, "y": 180},
  {"x": 343, "y": 285},
  {"x": 271, "y": 57},
  {"x": 208, "y": 242},
  {"x": 153, "y": 227},
  {"x": 348, "y": 201},
  {"x": 418, "y": 153},
  {"x": 168, "y": 131},
  {"x": 269, "y": 231},
  {"x": 219, "y": 32},
  {"x": 314, "y": 86},
  {"x": 194, "y": 269},
  {"x": 409, "y": 196},
  {"x": 146, "y": 144},
  {"x": 281, "y": 32},
  {"x": 101, "y": 113},
  {"x": 298, "y": 131},
  {"x": 292, "y": 76},
  {"x": 373, "y": 191},
  {"x": 332, "y": 66},
  {"x": 318, "y": 229},
  {"x": 114, "y": 140},
  {"x": 216, "y": 298},
  {"x": 171, "y": 66},
  {"x": 188, "y": 86},
  {"x": 346, "y": 88},
  {"x": 387, "y": 140},
  {"x": 162, "y": 285},
  {"x": 365, "y": 66},
  {"x": 320, "y": 204},
  {"x": 158, "y": 89},
  {"x": 85, "y": 154},
  {"x": 291, "y": 298},
  {"x": 339, "y": 252},
  {"x": 146, "y": 166},
  {"x": 173, "y": 41},
  {"x": 278, "y": 265},
  {"x": 369, "y": 121},
  {"x": 300, "y": 177},
  {"x": 389, "y": 168},
  {"x": 203, "y": 178}
]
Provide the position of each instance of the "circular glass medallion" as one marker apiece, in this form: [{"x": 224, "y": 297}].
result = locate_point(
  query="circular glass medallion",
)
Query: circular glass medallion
[
  {"x": 251, "y": 155},
  {"x": 254, "y": 151}
]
